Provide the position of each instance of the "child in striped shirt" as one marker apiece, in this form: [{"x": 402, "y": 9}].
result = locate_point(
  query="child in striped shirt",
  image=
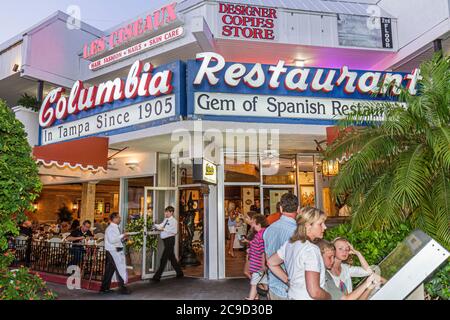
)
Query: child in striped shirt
[{"x": 256, "y": 257}]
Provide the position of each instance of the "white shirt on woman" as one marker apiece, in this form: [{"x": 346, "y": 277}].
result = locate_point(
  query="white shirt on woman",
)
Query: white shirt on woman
[
  {"x": 347, "y": 273},
  {"x": 298, "y": 258}
]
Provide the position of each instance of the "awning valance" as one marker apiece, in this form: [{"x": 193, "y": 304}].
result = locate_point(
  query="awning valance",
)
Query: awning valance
[{"x": 85, "y": 154}]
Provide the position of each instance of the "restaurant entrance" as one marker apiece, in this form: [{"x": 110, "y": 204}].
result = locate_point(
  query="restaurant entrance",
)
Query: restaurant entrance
[
  {"x": 191, "y": 230},
  {"x": 156, "y": 200}
]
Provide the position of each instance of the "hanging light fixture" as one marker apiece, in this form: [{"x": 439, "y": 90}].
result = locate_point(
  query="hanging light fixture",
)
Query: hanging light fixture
[{"x": 330, "y": 168}]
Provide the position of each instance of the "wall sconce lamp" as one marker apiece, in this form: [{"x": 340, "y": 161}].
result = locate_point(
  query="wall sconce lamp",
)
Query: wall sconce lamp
[
  {"x": 35, "y": 206},
  {"x": 75, "y": 206},
  {"x": 299, "y": 63},
  {"x": 330, "y": 168},
  {"x": 132, "y": 164},
  {"x": 15, "y": 67}
]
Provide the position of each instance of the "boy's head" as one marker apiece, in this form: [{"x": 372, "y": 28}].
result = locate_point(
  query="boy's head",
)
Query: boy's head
[
  {"x": 169, "y": 211},
  {"x": 327, "y": 250},
  {"x": 260, "y": 222}
]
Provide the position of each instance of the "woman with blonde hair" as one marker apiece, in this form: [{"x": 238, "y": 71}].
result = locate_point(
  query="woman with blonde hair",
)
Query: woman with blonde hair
[
  {"x": 305, "y": 270},
  {"x": 343, "y": 271}
]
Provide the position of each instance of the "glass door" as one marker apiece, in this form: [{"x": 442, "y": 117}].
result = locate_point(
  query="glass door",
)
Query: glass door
[{"x": 156, "y": 201}]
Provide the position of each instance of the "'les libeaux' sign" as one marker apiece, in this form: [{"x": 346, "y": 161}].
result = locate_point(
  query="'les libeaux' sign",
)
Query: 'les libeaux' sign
[{"x": 134, "y": 30}]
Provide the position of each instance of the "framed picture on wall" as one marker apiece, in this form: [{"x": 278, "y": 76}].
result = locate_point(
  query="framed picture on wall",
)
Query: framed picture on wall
[
  {"x": 107, "y": 207},
  {"x": 307, "y": 196}
]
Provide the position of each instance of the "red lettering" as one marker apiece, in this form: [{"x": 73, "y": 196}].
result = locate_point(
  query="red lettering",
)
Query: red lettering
[{"x": 223, "y": 8}]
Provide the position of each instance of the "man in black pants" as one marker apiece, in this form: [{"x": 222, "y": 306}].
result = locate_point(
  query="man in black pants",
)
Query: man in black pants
[
  {"x": 115, "y": 257},
  {"x": 169, "y": 228}
]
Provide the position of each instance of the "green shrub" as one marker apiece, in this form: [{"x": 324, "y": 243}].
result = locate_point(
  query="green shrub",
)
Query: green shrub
[
  {"x": 373, "y": 245},
  {"x": 19, "y": 187},
  {"x": 20, "y": 284},
  {"x": 438, "y": 288}
]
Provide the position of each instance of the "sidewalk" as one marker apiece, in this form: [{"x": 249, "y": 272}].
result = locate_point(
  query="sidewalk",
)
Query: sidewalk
[{"x": 170, "y": 289}]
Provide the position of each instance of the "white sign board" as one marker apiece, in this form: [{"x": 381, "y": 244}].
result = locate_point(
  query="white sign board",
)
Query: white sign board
[
  {"x": 140, "y": 47},
  {"x": 209, "y": 172},
  {"x": 245, "y": 105},
  {"x": 136, "y": 114}
]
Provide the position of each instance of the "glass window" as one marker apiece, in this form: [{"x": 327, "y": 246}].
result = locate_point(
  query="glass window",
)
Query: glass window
[
  {"x": 279, "y": 171},
  {"x": 135, "y": 193},
  {"x": 245, "y": 169},
  {"x": 185, "y": 173}
]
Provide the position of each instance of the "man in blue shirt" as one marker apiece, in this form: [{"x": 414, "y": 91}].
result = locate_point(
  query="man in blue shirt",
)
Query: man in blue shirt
[{"x": 276, "y": 236}]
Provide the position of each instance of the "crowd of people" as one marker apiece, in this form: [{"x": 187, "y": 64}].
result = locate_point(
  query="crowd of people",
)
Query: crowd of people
[{"x": 288, "y": 259}]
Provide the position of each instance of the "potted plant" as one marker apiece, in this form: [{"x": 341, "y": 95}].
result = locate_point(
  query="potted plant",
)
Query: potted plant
[
  {"x": 29, "y": 102},
  {"x": 136, "y": 242},
  {"x": 64, "y": 214}
]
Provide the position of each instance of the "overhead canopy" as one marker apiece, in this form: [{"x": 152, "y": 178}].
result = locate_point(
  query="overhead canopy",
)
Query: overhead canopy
[{"x": 85, "y": 154}]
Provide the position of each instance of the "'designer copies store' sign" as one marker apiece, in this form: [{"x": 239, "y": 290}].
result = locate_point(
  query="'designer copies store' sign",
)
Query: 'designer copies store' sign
[{"x": 220, "y": 90}]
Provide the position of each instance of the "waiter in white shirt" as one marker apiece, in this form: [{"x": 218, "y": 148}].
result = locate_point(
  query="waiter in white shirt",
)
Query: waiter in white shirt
[
  {"x": 169, "y": 228},
  {"x": 115, "y": 256}
]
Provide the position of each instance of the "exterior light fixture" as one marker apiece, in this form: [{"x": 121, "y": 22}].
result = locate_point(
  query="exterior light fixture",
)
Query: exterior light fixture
[
  {"x": 330, "y": 168},
  {"x": 299, "y": 63},
  {"x": 15, "y": 67},
  {"x": 132, "y": 164},
  {"x": 35, "y": 206},
  {"x": 75, "y": 206}
]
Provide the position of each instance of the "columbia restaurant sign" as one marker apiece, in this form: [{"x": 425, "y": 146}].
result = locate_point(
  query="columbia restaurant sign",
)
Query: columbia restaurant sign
[{"x": 215, "y": 89}]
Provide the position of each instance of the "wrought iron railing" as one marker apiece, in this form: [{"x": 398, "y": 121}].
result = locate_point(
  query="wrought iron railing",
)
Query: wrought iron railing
[{"x": 56, "y": 258}]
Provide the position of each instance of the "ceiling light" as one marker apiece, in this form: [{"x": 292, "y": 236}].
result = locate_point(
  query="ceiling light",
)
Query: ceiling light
[{"x": 299, "y": 63}]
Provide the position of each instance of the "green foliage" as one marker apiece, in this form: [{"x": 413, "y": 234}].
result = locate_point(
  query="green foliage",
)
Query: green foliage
[
  {"x": 22, "y": 285},
  {"x": 373, "y": 245},
  {"x": 399, "y": 169},
  {"x": 439, "y": 286},
  {"x": 29, "y": 102},
  {"x": 19, "y": 187},
  {"x": 64, "y": 214},
  {"x": 19, "y": 179},
  {"x": 137, "y": 242}
]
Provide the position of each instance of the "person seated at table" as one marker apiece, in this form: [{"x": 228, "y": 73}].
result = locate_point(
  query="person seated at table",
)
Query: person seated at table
[
  {"x": 77, "y": 236},
  {"x": 65, "y": 227},
  {"x": 98, "y": 227},
  {"x": 27, "y": 231},
  {"x": 75, "y": 225}
]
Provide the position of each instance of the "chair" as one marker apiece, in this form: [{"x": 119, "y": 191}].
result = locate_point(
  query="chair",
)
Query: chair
[
  {"x": 56, "y": 251},
  {"x": 99, "y": 236},
  {"x": 65, "y": 235}
]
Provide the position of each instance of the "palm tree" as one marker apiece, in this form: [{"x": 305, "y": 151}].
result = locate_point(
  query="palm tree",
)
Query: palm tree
[{"x": 398, "y": 169}]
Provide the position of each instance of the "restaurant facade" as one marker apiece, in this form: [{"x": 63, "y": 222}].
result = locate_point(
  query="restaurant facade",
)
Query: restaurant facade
[{"x": 207, "y": 106}]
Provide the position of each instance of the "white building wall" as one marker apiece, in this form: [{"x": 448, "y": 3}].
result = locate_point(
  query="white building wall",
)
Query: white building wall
[
  {"x": 30, "y": 121},
  {"x": 52, "y": 49},
  {"x": 9, "y": 57}
]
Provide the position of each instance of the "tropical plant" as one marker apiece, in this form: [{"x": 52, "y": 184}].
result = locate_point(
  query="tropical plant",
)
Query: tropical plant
[
  {"x": 438, "y": 288},
  {"x": 19, "y": 187},
  {"x": 64, "y": 214},
  {"x": 19, "y": 180},
  {"x": 136, "y": 242},
  {"x": 398, "y": 169},
  {"x": 373, "y": 245},
  {"x": 29, "y": 102}
]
